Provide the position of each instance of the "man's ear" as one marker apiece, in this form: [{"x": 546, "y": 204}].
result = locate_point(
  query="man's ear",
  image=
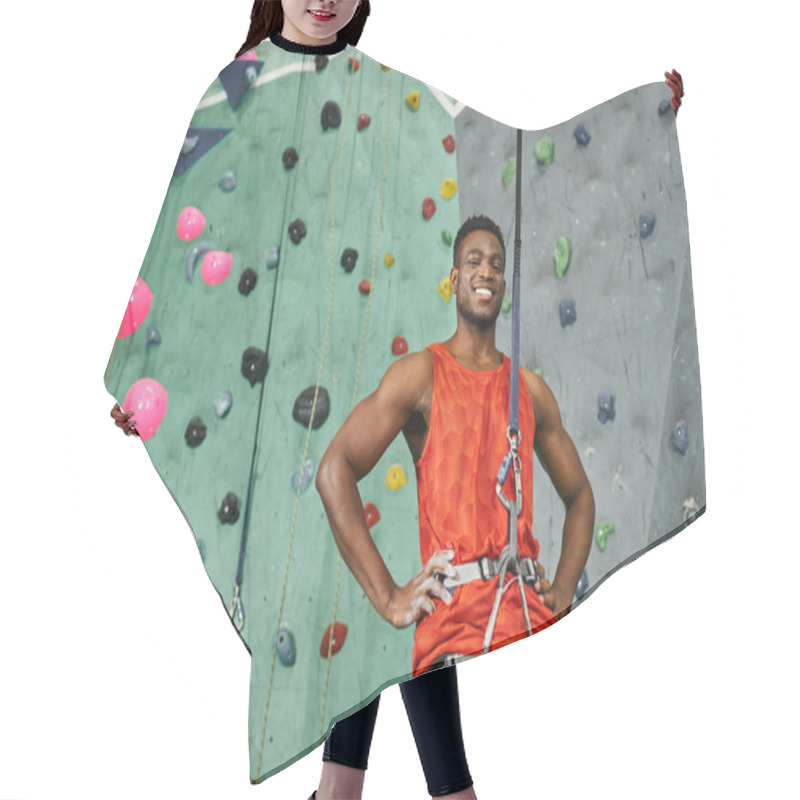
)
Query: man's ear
[{"x": 454, "y": 279}]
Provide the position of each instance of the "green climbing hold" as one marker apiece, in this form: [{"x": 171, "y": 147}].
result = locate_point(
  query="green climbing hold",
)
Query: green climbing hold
[
  {"x": 447, "y": 238},
  {"x": 561, "y": 256},
  {"x": 601, "y": 533},
  {"x": 543, "y": 150},
  {"x": 506, "y": 304},
  {"x": 538, "y": 371},
  {"x": 508, "y": 171}
]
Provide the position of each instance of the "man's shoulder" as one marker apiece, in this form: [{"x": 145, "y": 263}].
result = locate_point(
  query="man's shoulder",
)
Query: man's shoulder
[{"x": 415, "y": 367}]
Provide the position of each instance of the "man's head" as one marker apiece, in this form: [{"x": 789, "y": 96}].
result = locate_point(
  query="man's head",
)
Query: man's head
[{"x": 477, "y": 277}]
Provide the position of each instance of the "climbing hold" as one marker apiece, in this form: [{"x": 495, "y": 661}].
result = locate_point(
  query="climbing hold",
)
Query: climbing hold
[
  {"x": 371, "y": 514},
  {"x": 152, "y": 337},
  {"x": 413, "y": 100},
  {"x": 663, "y": 106},
  {"x": 297, "y": 230},
  {"x": 448, "y": 189},
  {"x": 385, "y": 68},
  {"x": 223, "y": 403},
  {"x": 216, "y": 266},
  {"x": 237, "y": 78},
  {"x": 601, "y": 533},
  {"x": 189, "y": 144},
  {"x": 228, "y": 181},
  {"x": 229, "y": 510},
  {"x": 582, "y": 136},
  {"x": 195, "y": 432},
  {"x": 320, "y": 62},
  {"x": 353, "y": 62},
  {"x": 445, "y": 292},
  {"x": 348, "y": 259},
  {"x": 250, "y": 55},
  {"x": 363, "y": 121},
  {"x": 148, "y": 398},
  {"x": 302, "y": 476},
  {"x": 247, "y": 281},
  {"x": 191, "y": 222},
  {"x": 287, "y": 652},
  {"x": 646, "y": 224},
  {"x": 201, "y": 546},
  {"x": 543, "y": 150},
  {"x": 561, "y": 256},
  {"x": 289, "y": 158},
  {"x": 137, "y": 309},
  {"x": 680, "y": 437},
  {"x": 273, "y": 256},
  {"x": 388, "y": 259},
  {"x": 304, "y": 403},
  {"x": 196, "y": 251},
  {"x": 447, "y": 237},
  {"x": 331, "y": 115},
  {"x": 508, "y": 171},
  {"x": 449, "y": 143},
  {"x": 399, "y": 346},
  {"x": 254, "y": 365},
  {"x": 339, "y": 635},
  {"x": 568, "y": 313},
  {"x": 395, "y": 477},
  {"x": 606, "y": 410},
  {"x": 506, "y": 305},
  {"x": 428, "y": 208},
  {"x": 583, "y": 585},
  {"x": 539, "y": 372},
  {"x": 197, "y": 143},
  {"x": 364, "y": 287}
]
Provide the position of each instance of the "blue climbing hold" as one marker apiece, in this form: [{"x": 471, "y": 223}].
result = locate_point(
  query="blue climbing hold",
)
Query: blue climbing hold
[
  {"x": 196, "y": 252},
  {"x": 223, "y": 403},
  {"x": 228, "y": 181},
  {"x": 582, "y": 136},
  {"x": 287, "y": 652},
  {"x": 646, "y": 224},
  {"x": 663, "y": 106},
  {"x": 583, "y": 585},
  {"x": 302, "y": 476},
  {"x": 153, "y": 337},
  {"x": 273, "y": 256},
  {"x": 606, "y": 412},
  {"x": 680, "y": 437},
  {"x": 568, "y": 313}
]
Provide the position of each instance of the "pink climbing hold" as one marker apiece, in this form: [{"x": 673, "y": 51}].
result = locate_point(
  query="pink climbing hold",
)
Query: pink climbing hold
[
  {"x": 250, "y": 55},
  {"x": 138, "y": 307},
  {"x": 216, "y": 266},
  {"x": 148, "y": 400},
  {"x": 191, "y": 223}
]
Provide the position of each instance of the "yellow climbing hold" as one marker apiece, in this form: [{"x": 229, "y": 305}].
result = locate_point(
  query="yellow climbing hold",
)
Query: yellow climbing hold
[
  {"x": 385, "y": 68},
  {"x": 444, "y": 289},
  {"x": 449, "y": 188},
  {"x": 413, "y": 100},
  {"x": 388, "y": 259},
  {"x": 395, "y": 477}
]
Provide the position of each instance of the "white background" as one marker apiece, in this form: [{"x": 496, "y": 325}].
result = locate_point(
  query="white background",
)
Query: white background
[{"x": 120, "y": 674}]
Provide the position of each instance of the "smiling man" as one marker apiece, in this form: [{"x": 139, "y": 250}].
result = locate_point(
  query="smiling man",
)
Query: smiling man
[{"x": 451, "y": 403}]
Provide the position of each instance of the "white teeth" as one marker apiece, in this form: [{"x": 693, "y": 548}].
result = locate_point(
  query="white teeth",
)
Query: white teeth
[{"x": 484, "y": 292}]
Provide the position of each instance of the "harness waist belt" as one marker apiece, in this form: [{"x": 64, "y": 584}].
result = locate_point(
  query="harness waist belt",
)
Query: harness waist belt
[{"x": 486, "y": 568}]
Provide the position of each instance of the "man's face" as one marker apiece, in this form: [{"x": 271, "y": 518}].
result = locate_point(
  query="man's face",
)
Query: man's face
[{"x": 478, "y": 284}]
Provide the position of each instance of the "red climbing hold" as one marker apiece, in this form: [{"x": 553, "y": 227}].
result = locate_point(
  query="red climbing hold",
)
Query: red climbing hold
[
  {"x": 399, "y": 346},
  {"x": 428, "y": 208},
  {"x": 363, "y": 121},
  {"x": 372, "y": 515},
  {"x": 364, "y": 287},
  {"x": 339, "y": 635},
  {"x": 353, "y": 64},
  {"x": 449, "y": 143}
]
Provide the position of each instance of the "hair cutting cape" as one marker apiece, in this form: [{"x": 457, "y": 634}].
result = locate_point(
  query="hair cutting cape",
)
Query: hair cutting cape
[{"x": 304, "y": 244}]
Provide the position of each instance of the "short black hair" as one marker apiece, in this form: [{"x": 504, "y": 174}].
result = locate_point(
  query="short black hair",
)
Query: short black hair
[{"x": 477, "y": 222}]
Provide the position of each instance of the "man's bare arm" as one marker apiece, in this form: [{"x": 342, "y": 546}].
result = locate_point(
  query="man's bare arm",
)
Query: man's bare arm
[
  {"x": 557, "y": 454},
  {"x": 355, "y": 449}
]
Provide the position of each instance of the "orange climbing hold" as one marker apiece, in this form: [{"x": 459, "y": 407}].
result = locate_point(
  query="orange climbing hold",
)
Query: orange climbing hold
[{"x": 339, "y": 635}]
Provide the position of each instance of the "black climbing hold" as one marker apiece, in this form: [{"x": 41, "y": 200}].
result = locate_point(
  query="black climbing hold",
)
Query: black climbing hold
[
  {"x": 254, "y": 365},
  {"x": 285, "y": 647},
  {"x": 331, "y": 115},
  {"x": 304, "y": 402},
  {"x": 153, "y": 337},
  {"x": 663, "y": 106},
  {"x": 349, "y": 258},
  {"x": 289, "y": 158},
  {"x": 297, "y": 230},
  {"x": 582, "y": 135},
  {"x": 320, "y": 62},
  {"x": 680, "y": 437},
  {"x": 247, "y": 282},
  {"x": 646, "y": 224},
  {"x": 198, "y": 142},
  {"x": 567, "y": 312},
  {"x": 229, "y": 510},
  {"x": 195, "y": 432},
  {"x": 237, "y": 78},
  {"x": 606, "y": 405}
]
